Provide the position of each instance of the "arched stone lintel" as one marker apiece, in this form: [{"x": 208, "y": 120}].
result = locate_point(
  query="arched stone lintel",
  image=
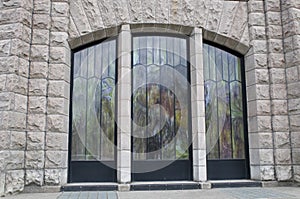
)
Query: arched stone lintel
[{"x": 100, "y": 34}]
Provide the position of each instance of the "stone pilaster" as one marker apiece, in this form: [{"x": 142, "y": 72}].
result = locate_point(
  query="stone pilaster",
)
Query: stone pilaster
[
  {"x": 291, "y": 36},
  {"x": 198, "y": 104},
  {"x": 278, "y": 92},
  {"x": 15, "y": 31},
  {"x": 124, "y": 106},
  {"x": 258, "y": 96},
  {"x": 58, "y": 88}
]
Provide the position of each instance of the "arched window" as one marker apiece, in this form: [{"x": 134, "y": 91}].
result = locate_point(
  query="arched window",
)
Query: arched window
[{"x": 224, "y": 115}]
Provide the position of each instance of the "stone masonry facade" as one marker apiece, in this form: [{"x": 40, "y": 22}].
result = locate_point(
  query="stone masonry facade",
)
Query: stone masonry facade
[{"x": 36, "y": 39}]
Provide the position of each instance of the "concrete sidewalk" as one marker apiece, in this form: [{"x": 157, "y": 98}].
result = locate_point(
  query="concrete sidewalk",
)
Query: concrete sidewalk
[{"x": 226, "y": 193}]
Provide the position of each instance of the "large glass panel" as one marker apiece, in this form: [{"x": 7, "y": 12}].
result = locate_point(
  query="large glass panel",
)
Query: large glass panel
[
  {"x": 223, "y": 104},
  {"x": 160, "y": 118},
  {"x": 93, "y": 102}
]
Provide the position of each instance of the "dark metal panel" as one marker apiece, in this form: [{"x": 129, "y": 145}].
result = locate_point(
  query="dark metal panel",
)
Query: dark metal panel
[
  {"x": 93, "y": 171},
  {"x": 177, "y": 170},
  {"x": 226, "y": 169}
]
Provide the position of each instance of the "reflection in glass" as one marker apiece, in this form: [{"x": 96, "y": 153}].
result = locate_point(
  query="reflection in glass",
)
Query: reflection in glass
[
  {"x": 93, "y": 102},
  {"x": 223, "y": 104},
  {"x": 156, "y": 111}
]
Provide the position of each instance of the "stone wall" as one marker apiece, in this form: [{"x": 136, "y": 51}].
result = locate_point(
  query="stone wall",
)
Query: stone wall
[
  {"x": 15, "y": 38},
  {"x": 291, "y": 37},
  {"x": 34, "y": 93},
  {"x": 220, "y": 19},
  {"x": 35, "y": 75}
]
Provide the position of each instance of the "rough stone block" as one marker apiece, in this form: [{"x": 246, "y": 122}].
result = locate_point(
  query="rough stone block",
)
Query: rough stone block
[
  {"x": 282, "y": 140},
  {"x": 7, "y": 101},
  {"x": 16, "y": 121},
  {"x": 38, "y": 87},
  {"x": 256, "y": 19},
  {"x": 18, "y": 140},
  {"x": 273, "y": 18},
  {"x": 283, "y": 173},
  {"x": 35, "y": 141},
  {"x": 40, "y": 37},
  {"x": 292, "y": 74},
  {"x": 20, "y": 48},
  {"x": 59, "y": 72},
  {"x": 59, "y": 39},
  {"x": 4, "y": 140},
  {"x": 278, "y": 91},
  {"x": 16, "y": 84},
  {"x": 296, "y": 173},
  {"x": 57, "y": 141},
  {"x": 52, "y": 176},
  {"x": 296, "y": 156},
  {"x": 280, "y": 123},
  {"x": 59, "y": 24},
  {"x": 294, "y": 106},
  {"x": 21, "y": 103},
  {"x": 293, "y": 90},
  {"x": 5, "y": 48},
  {"x": 41, "y": 6},
  {"x": 267, "y": 173},
  {"x": 283, "y": 156},
  {"x": 36, "y": 122},
  {"x": 14, "y": 181},
  {"x": 15, "y": 160},
  {"x": 56, "y": 159},
  {"x": 34, "y": 177},
  {"x": 58, "y": 123},
  {"x": 34, "y": 159},
  {"x": 294, "y": 122},
  {"x": 40, "y": 53},
  {"x": 279, "y": 107},
  {"x": 39, "y": 70},
  {"x": 37, "y": 104},
  {"x": 59, "y": 89},
  {"x": 59, "y": 55},
  {"x": 260, "y": 140},
  {"x": 277, "y": 75},
  {"x": 41, "y": 21},
  {"x": 58, "y": 106},
  {"x": 60, "y": 9}
]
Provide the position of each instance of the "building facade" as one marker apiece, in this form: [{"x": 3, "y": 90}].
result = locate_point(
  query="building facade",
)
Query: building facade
[{"x": 125, "y": 91}]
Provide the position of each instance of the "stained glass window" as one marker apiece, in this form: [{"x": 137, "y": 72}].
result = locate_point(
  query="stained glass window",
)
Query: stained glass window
[
  {"x": 224, "y": 104},
  {"x": 160, "y": 98},
  {"x": 93, "y": 102}
]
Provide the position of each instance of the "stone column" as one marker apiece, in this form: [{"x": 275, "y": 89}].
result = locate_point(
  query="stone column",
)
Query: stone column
[
  {"x": 58, "y": 95},
  {"x": 278, "y": 91},
  {"x": 124, "y": 106},
  {"x": 198, "y": 110},
  {"x": 15, "y": 38},
  {"x": 291, "y": 36},
  {"x": 258, "y": 96}
]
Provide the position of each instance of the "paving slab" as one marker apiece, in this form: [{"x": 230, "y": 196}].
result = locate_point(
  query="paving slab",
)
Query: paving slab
[{"x": 220, "y": 193}]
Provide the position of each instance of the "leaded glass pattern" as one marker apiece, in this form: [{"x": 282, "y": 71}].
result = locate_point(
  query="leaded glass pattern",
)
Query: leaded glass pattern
[
  {"x": 93, "y": 102},
  {"x": 156, "y": 111},
  {"x": 223, "y": 104}
]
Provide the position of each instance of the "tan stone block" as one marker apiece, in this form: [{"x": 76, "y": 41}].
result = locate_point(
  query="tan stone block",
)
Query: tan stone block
[
  {"x": 282, "y": 140},
  {"x": 38, "y": 87},
  {"x": 34, "y": 159},
  {"x": 57, "y": 141},
  {"x": 57, "y": 123},
  {"x": 37, "y": 104},
  {"x": 18, "y": 140},
  {"x": 14, "y": 181},
  {"x": 282, "y": 156},
  {"x": 35, "y": 141},
  {"x": 36, "y": 122}
]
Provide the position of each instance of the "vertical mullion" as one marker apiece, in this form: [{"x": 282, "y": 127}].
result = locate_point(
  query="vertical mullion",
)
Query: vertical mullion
[
  {"x": 229, "y": 88},
  {"x": 217, "y": 98},
  {"x": 86, "y": 100},
  {"x": 173, "y": 86},
  {"x": 101, "y": 73},
  {"x": 160, "y": 127}
]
